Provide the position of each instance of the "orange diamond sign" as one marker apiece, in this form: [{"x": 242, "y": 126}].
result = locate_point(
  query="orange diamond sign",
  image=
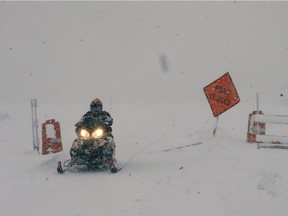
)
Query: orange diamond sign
[{"x": 221, "y": 94}]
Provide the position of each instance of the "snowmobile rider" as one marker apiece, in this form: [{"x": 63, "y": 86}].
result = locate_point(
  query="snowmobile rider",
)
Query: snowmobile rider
[{"x": 97, "y": 114}]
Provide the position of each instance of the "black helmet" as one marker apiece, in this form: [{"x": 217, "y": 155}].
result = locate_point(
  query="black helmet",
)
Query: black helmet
[{"x": 96, "y": 105}]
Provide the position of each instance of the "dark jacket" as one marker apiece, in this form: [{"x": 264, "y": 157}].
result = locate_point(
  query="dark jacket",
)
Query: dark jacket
[{"x": 91, "y": 120}]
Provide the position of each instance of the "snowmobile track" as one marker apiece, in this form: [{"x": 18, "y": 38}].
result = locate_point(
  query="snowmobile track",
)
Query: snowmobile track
[{"x": 177, "y": 148}]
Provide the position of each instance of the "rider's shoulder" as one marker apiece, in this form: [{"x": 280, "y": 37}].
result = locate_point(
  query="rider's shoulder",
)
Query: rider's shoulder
[
  {"x": 105, "y": 113},
  {"x": 87, "y": 114}
]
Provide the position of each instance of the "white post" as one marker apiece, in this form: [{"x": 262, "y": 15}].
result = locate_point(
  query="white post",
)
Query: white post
[
  {"x": 257, "y": 102},
  {"x": 34, "y": 125},
  {"x": 257, "y": 108}
]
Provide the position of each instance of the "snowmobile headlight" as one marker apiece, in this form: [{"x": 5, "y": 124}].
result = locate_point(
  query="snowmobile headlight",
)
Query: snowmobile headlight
[
  {"x": 84, "y": 134},
  {"x": 98, "y": 133}
]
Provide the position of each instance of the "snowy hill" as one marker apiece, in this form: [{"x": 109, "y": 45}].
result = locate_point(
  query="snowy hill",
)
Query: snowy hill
[{"x": 148, "y": 62}]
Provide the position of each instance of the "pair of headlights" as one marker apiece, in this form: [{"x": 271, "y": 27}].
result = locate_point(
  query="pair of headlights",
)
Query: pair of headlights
[{"x": 98, "y": 133}]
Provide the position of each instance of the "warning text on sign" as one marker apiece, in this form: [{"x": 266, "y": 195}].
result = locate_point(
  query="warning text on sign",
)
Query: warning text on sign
[{"x": 221, "y": 94}]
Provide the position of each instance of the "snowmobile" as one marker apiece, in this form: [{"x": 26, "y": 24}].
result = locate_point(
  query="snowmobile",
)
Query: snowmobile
[{"x": 93, "y": 148}]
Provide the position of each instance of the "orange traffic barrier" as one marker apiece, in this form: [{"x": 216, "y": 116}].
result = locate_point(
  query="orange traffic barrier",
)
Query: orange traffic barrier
[
  {"x": 255, "y": 128},
  {"x": 51, "y": 137}
]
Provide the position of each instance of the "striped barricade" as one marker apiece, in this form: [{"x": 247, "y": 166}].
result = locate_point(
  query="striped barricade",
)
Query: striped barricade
[{"x": 257, "y": 130}]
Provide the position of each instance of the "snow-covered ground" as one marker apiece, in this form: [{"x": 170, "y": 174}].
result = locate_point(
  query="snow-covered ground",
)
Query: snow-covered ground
[{"x": 148, "y": 62}]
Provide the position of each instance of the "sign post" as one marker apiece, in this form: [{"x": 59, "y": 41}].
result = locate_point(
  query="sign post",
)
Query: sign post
[
  {"x": 221, "y": 95},
  {"x": 216, "y": 125},
  {"x": 34, "y": 125}
]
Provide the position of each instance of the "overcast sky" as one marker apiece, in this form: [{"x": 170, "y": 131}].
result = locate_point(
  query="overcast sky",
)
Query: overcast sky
[{"x": 140, "y": 52}]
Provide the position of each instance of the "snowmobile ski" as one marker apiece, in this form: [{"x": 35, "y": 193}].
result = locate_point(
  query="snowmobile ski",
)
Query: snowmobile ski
[
  {"x": 114, "y": 169},
  {"x": 69, "y": 163},
  {"x": 59, "y": 167}
]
